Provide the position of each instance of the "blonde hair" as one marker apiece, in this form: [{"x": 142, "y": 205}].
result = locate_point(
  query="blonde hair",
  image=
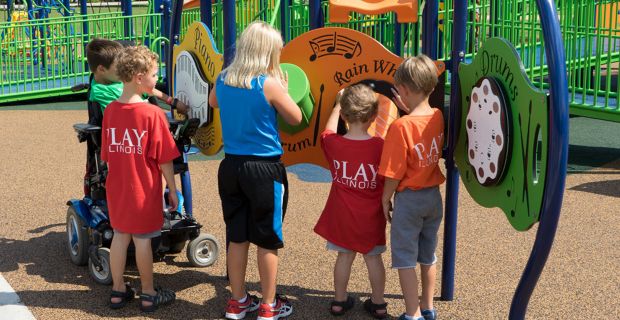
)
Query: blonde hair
[
  {"x": 258, "y": 53},
  {"x": 418, "y": 74},
  {"x": 134, "y": 60},
  {"x": 359, "y": 104}
]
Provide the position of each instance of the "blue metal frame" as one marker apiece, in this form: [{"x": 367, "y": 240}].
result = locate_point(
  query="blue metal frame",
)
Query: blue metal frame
[
  {"x": 230, "y": 31},
  {"x": 284, "y": 20},
  {"x": 557, "y": 159},
  {"x": 206, "y": 9},
  {"x": 430, "y": 17},
  {"x": 316, "y": 14},
  {"x": 127, "y": 11},
  {"x": 452, "y": 179}
]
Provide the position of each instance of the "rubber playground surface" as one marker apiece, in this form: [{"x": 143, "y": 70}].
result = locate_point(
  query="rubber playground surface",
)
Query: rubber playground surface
[{"x": 42, "y": 166}]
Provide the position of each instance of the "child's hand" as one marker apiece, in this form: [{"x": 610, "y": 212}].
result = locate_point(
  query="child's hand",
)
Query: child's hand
[
  {"x": 387, "y": 208},
  {"x": 285, "y": 81},
  {"x": 398, "y": 101},
  {"x": 173, "y": 200},
  {"x": 182, "y": 108},
  {"x": 338, "y": 96}
]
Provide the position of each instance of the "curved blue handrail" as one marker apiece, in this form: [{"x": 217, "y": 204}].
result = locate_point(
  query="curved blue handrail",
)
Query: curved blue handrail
[{"x": 557, "y": 157}]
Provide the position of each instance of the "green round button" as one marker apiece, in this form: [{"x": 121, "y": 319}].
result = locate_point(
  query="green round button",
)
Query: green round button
[{"x": 299, "y": 90}]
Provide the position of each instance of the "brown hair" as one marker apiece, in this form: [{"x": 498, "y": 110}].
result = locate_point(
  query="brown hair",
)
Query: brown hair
[
  {"x": 135, "y": 60},
  {"x": 359, "y": 104},
  {"x": 102, "y": 52},
  {"x": 418, "y": 74}
]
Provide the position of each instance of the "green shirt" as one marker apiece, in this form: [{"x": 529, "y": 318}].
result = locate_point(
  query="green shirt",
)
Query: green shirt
[{"x": 105, "y": 93}]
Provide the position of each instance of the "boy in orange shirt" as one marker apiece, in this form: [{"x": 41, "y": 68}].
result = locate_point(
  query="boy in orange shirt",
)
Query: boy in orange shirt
[{"x": 409, "y": 163}]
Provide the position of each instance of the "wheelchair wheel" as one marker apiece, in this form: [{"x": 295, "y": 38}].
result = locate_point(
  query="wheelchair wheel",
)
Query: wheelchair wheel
[
  {"x": 101, "y": 275},
  {"x": 77, "y": 238},
  {"x": 203, "y": 250}
]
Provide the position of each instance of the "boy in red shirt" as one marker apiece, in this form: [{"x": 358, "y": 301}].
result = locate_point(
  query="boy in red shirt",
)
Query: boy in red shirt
[
  {"x": 138, "y": 148},
  {"x": 353, "y": 220},
  {"x": 409, "y": 164}
]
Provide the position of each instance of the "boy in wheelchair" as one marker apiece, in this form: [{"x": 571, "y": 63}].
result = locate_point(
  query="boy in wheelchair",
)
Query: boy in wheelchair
[{"x": 132, "y": 212}]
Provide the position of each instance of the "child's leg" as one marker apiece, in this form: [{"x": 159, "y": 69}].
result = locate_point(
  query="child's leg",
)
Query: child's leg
[
  {"x": 409, "y": 284},
  {"x": 144, "y": 260},
  {"x": 428, "y": 274},
  {"x": 342, "y": 272},
  {"x": 268, "y": 271},
  {"x": 236, "y": 262},
  {"x": 118, "y": 257},
  {"x": 376, "y": 275}
]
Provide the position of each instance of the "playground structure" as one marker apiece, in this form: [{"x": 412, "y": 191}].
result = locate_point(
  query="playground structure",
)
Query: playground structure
[
  {"x": 524, "y": 131},
  {"x": 541, "y": 55}
]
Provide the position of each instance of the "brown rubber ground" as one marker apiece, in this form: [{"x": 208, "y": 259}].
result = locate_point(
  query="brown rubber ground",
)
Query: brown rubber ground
[{"x": 42, "y": 167}]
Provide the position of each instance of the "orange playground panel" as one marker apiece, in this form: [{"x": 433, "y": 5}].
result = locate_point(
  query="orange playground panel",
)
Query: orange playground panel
[{"x": 406, "y": 10}]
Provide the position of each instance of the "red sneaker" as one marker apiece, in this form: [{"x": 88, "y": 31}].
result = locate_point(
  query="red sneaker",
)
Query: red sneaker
[
  {"x": 236, "y": 310},
  {"x": 282, "y": 309}
]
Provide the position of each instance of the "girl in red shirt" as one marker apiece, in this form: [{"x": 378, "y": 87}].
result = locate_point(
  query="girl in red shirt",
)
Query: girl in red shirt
[{"x": 353, "y": 220}]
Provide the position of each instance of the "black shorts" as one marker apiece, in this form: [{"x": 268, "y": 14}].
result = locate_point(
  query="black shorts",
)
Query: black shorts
[{"x": 254, "y": 194}]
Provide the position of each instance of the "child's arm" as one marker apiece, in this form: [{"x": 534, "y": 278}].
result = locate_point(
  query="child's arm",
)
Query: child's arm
[
  {"x": 389, "y": 187},
  {"x": 278, "y": 96},
  {"x": 213, "y": 99},
  {"x": 332, "y": 121},
  {"x": 168, "y": 172},
  {"x": 181, "y": 107}
]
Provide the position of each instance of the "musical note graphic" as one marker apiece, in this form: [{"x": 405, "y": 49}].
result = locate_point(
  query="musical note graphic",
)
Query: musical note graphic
[{"x": 334, "y": 44}]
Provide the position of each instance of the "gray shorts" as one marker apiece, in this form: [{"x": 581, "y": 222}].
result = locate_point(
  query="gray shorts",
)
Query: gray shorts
[
  {"x": 415, "y": 222},
  {"x": 149, "y": 235},
  {"x": 373, "y": 252}
]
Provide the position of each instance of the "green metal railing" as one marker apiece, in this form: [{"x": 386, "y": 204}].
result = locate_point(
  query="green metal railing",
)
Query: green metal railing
[
  {"x": 45, "y": 57},
  {"x": 38, "y": 55},
  {"x": 591, "y": 34}
]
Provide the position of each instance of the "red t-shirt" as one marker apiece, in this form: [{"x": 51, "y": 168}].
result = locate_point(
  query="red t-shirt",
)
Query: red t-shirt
[
  {"x": 353, "y": 216},
  {"x": 135, "y": 139}
]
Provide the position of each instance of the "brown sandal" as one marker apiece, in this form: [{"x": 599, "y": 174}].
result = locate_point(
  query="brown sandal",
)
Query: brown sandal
[
  {"x": 125, "y": 297},
  {"x": 372, "y": 309},
  {"x": 344, "y": 306},
  {"x": 162, "y": 297}
]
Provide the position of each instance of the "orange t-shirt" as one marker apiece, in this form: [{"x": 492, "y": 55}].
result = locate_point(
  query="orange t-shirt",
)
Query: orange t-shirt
[{"x": 412, "y": 150}]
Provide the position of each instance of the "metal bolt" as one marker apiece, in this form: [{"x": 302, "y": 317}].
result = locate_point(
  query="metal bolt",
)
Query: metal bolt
[{"x": 461, "y": 54}]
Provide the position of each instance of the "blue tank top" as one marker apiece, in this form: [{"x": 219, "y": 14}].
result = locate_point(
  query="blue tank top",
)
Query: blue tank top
[{"x": 249, "y": 125}]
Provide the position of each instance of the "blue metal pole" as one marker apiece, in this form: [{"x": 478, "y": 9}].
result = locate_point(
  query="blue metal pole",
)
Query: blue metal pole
[
  {"x": 398, "y": 36},
  {"x": 230, "y": 32},
  {"x": 9, "y": 9},
  {"x": 557, "y": 159},
  {"x": 186, "y": 190},
  {"x": 127, "y": 13},
  {"x": 206, "y": 8},
  {"x": 173, "y": 34},
  {"x": 284, "y": 20},
  {"x": 316, "y": 14},
  {"x": 430, "y": 17},
  {"x": 452, "y": 181},
  {"x": 84, "y": 13}
]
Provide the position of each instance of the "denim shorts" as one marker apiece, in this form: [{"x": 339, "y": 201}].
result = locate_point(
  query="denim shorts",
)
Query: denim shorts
[
  {"x": 149, "y": 235},
  {"x": 373, "y": 252},
  {"x": 415, "y": 222}
]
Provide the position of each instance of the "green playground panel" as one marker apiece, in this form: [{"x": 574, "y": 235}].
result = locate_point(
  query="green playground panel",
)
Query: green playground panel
[{"x": 520, "y": 192}]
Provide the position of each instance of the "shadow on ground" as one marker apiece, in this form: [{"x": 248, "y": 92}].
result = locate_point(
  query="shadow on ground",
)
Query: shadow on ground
[
  {"x": 609, "y": 188},
  {"x": 91, "y": 298}
]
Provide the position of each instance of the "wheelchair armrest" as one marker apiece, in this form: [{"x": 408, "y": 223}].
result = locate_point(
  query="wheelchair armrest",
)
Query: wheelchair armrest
[
  {"x": 80, "y": 87},
  {"x": 86, "y": 128},
  {"x": 86, "y": 131}
]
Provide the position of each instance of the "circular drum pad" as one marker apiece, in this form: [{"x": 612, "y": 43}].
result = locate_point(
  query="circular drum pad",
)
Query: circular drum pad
[{"x": 487, "y": 131}]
